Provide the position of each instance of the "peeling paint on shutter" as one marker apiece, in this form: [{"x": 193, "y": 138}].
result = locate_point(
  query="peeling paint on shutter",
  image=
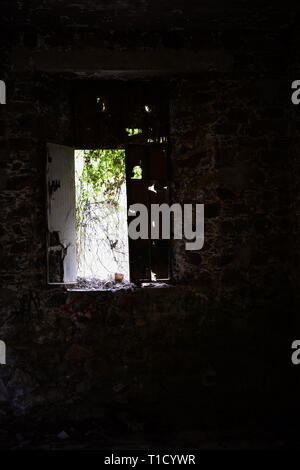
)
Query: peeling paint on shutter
[{"x": 61, "y": 214}]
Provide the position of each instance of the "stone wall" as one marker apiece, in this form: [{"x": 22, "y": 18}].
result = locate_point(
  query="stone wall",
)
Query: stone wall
[{"x": 215, "y": 346}]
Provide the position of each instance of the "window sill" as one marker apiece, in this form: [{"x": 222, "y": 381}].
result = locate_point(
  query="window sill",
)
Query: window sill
[{"x": 113, "y": 286}]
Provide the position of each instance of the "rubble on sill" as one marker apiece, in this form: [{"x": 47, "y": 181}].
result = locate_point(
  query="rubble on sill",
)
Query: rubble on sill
[{"x": 94, "y": 284}]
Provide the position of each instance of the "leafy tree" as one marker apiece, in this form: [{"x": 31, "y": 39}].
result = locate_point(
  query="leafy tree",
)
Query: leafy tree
[{"x": 99, "y": 182}]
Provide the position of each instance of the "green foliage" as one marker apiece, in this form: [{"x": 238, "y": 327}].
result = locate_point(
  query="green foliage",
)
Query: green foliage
[
  {"x": 102, "y": 177},
  {"x": 137, "y": 173},
  {"x": 132, "y": 132},
  {"x": 103, "y": 172}
]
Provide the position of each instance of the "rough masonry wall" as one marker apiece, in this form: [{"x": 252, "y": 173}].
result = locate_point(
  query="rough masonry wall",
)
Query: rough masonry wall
[{"x": 209, "y": 345}]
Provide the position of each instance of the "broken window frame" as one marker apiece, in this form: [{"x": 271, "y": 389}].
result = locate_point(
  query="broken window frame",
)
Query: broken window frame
[
  {"x": 103, "y": 113},
  {"x": 141, "y": 261}
]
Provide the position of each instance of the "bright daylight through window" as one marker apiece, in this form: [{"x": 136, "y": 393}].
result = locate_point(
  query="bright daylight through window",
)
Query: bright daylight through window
[{"x": 101, "y": 215}]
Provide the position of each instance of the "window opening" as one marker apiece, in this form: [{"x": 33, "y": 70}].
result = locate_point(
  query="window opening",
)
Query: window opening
[{"x": 101, "y": 215}]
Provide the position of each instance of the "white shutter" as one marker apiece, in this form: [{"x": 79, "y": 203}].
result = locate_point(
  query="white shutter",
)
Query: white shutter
[{"x": 61, "y": 214}]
